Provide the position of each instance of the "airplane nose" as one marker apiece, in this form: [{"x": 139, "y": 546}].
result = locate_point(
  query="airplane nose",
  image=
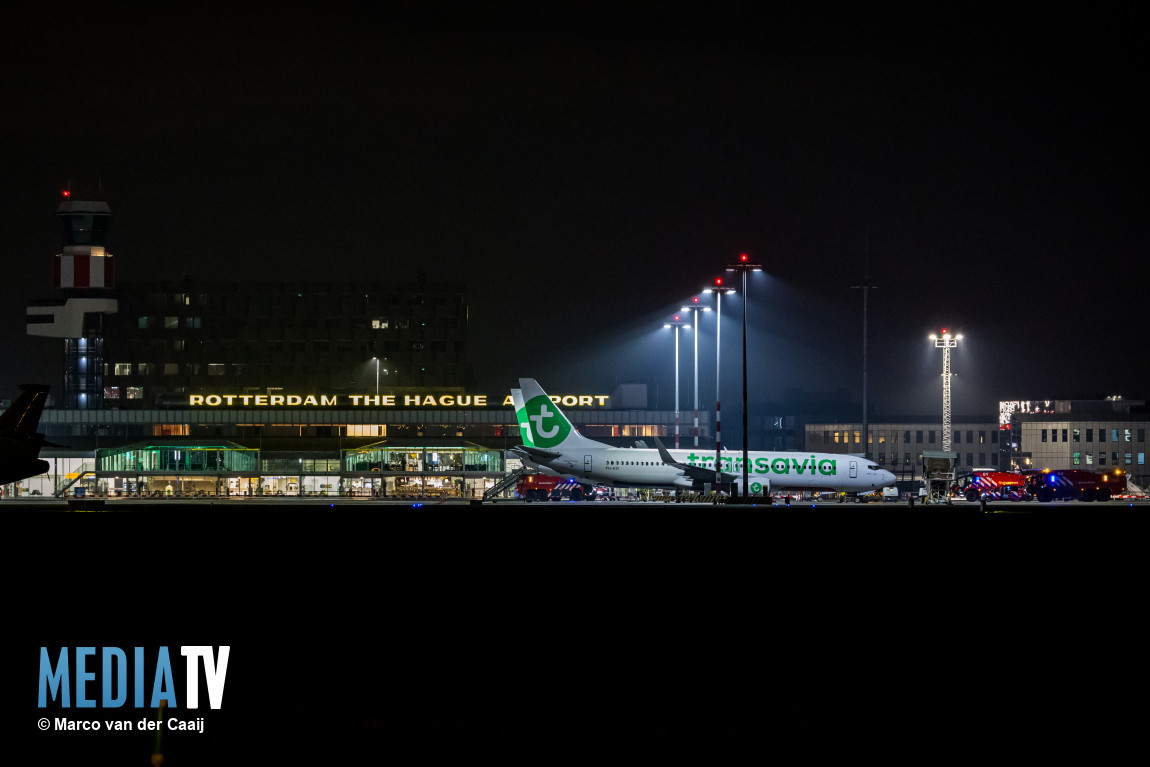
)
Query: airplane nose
[{"x": 887, "y": 477}]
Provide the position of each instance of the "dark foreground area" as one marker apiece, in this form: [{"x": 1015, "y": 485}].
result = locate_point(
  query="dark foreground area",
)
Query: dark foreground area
[{"x": 379, "y": 635}]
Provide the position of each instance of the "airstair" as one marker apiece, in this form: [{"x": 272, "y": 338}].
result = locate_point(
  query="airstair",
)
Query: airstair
[
  {"x": 502, "y": 485},
  {"x": 64, "y": 483}
]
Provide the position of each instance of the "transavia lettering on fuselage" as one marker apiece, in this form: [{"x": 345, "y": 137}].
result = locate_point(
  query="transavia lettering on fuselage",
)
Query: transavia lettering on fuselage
[{"x": 827, "y": 467}]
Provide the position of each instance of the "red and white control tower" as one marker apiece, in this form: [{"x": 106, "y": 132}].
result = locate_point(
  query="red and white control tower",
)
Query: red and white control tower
[{"x": 84, "y": 277}]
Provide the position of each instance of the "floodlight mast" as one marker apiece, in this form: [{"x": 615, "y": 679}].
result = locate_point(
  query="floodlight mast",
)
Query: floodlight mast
[
  {"x": 743, "y": 266},
  {"x": 946, "y": 343},
  {"x": 694, "y": 307},
  {"x": 718, "y": 289},
  {"x": 676, "y": 324}
]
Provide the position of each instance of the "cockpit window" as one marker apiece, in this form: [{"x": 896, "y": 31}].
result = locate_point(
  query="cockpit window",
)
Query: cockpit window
[{"x": 872, "y": 467}]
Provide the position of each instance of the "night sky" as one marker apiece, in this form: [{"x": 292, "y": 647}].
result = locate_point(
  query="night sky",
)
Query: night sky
[{"x": 585, "y": 169}]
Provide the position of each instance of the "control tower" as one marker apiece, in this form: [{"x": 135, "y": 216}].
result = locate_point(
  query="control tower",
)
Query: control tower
[{"x": 84, "y": 278}]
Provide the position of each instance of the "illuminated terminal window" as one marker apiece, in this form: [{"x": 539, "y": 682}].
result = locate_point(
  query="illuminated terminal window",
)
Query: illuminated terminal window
[
  {"x": 111, "y": 392},
  {"x": 123, "y": 368},
  {"x": 170, "y": 430},
  {"x": 135, "y": 392}
]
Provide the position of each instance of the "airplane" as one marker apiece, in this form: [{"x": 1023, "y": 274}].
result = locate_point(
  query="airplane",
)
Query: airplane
[
  {"x": 19, "y": 442},
  {"x": 551, "y": 440}
]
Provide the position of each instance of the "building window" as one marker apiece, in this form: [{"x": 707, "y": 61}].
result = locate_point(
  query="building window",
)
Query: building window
[
  {"x": 379, "y": 324},
  {"x": 216, "y": 369},
  {"x": 1113, "y": 435},
  {"x": 1044, "y": 435},
  {"x": 994, "y": 459},
  {"x": 836, "y": 437},
  {"x": 882, "y": 457},
  {"x": 1114, "y": 457},
  {"x": 1089, "y": 459},
  {"x": 1101, "y": 435},
  {"x": 1064, "y": 435},
  {"x": 1076, "y": 436},
  {"x": 994, "y": 438},
  {"x": 1090, "y": 435},
  {"x": 918, "y": 437},
  {"x": 135, "y": 392},
  {"x": 1141, "y": 435},
  {"x": 957, "y": 437},
  {"x": 982, "y": 459},
  {"x": 858, "y": 437},
  {"x": 970, "y": 436},
  {"x": 982, "y": 437},
  {"x": 192, "y": 322},
  {"x": 970, "y": 459},
  {"x": 906, "y": 438},
  {"x": 1127, "y": 459},
  {"x": 142, "y": 323},
  {"x": 123, "y": 368},
  {"x": 1102, "y": 459},
  {"x": 179, "y": 345},
  {"x": 1141, "y": 459},
  {"x": 1077, "y": 458},
  {"x": 1127, "y": 436},
  {"x": 171, "y": 368},
  {"x": 171, "y": 323},
  {"x": 930, "y": 436},
  {"x": 111, "y": 392}
]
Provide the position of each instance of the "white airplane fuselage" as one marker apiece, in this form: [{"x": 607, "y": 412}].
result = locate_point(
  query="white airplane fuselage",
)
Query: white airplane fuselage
[{"x": 638, "y": 467}]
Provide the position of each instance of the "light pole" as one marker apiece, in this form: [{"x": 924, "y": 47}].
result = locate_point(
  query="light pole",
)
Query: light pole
[
  {"x": 719, "y": 289},
  {"x": 946, "y": 343},
  {"x": 694, "y": 307},
  {"x": 676, "y": 324},
  {"x": 745, "y": 266},
  {"x": 866, "y": 287}
]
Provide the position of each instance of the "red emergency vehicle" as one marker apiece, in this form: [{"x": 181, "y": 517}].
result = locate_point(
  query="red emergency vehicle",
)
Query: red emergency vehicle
[
  {"x": 992, "y": 485},
  {"x": 546, "y": 487},
  {"x": 1067, "y": 484}
]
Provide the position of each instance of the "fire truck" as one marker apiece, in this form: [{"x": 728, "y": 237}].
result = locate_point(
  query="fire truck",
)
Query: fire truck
[
  {"x": 992, "y": 486},
  {"x": 1068, "y": 484},
  {"x": 545, "y": 487}
]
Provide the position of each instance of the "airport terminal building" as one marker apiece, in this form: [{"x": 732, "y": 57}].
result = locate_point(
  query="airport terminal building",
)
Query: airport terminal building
[{"x": 412, "y": 445}]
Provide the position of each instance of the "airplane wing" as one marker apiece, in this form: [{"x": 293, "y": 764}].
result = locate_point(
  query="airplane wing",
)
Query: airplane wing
[{"x": 698, "y": 473}]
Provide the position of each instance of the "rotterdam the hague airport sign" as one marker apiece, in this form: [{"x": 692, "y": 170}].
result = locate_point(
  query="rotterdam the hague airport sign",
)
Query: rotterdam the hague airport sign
[{"x": 378, "y": 400}]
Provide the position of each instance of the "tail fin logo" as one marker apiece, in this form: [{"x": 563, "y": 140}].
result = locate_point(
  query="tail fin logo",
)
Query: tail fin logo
[{"x": 548, "y": 425}]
